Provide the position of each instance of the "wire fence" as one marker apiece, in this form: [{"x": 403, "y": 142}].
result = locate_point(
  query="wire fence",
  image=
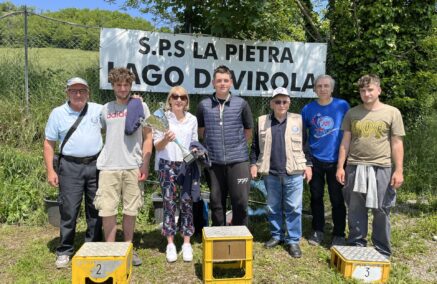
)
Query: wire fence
[{"x": 41, "y": 53}]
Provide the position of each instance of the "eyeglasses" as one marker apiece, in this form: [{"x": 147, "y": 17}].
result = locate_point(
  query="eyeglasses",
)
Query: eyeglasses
[
  {"x": 75, "y": 92},
  {"x": 176, "y": 97},
  {"x": 279, "y": 102}
]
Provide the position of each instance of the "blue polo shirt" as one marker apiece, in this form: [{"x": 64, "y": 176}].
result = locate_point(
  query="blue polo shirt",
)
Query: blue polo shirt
[{"x": 86, "y": 140}]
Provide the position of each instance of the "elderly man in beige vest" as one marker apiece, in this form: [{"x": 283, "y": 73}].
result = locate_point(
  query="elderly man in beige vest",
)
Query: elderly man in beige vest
[{"x": 277, "y": 155}]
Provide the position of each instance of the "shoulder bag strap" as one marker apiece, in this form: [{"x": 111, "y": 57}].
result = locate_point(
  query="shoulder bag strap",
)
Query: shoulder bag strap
[{"x": 73, "y": 128}]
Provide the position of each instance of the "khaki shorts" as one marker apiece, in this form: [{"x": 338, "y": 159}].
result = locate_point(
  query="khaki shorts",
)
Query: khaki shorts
[{"x": 114, "y": 185}]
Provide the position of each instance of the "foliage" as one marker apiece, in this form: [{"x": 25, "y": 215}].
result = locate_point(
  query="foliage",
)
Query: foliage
[
  {"x": 25, "y": 131},
  {"x": 393, "y": 39},
  {"x": 247, "y": 19},
  {"x": 420, "y": 159},
  {"x": 22, "y": 187}
]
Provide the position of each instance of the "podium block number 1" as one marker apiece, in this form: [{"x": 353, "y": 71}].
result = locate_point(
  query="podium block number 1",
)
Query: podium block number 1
[{"x": 229, "y": 250}]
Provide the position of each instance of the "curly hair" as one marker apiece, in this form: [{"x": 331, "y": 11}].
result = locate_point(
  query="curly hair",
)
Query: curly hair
[
  {"x": 121, "y": 74},
  {"x": 368, "y": 79}
]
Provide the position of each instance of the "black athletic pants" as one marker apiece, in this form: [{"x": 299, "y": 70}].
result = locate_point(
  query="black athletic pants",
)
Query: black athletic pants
[{"x": 232, "y": 179}]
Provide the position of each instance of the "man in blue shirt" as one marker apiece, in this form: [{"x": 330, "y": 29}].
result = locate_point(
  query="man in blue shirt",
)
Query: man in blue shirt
[
  {"x": 77, "y": 174},
  {"x": 322, "y": 118}
]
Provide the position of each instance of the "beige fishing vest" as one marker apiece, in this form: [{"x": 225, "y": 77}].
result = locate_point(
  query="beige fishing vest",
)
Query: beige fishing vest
[{"x": 295, "y": 162}]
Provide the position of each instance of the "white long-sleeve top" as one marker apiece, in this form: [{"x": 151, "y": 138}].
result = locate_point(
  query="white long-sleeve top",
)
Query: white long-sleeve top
[{"x": 185, "y": 131}]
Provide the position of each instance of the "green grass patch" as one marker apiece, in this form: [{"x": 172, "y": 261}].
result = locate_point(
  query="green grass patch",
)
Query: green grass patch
[
  {"x": 32, "y": 260},
  {"x": 52, "y": 58}
]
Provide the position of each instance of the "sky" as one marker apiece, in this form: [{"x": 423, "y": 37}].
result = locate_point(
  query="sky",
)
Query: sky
[{"x": 55, "y": 5}]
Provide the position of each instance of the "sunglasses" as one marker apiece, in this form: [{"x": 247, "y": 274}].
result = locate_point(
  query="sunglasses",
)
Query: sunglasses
[
  {"x": 279, "y": 102},
  {"x": 176, "y": 97}
]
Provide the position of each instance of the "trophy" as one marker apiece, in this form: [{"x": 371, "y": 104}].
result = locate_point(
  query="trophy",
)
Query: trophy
[{"x": 158, "y": 121}]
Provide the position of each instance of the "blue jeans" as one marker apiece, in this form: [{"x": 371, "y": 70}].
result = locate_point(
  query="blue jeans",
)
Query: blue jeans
[{"x": 284, "y": 198}]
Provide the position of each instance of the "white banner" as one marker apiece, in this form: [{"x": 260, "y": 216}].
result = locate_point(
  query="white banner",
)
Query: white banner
[{"x": 162, "y": 60}]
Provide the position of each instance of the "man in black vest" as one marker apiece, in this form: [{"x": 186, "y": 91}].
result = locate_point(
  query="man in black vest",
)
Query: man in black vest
[{"x": 225, "y": 125}]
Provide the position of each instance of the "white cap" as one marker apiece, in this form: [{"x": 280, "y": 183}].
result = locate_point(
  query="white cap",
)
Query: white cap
[
  {"x": 280, "y": 91},
  {"x": 76, "y": 80}
]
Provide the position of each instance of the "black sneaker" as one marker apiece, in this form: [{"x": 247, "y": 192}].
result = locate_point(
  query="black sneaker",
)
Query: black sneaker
[
  {"x": 316, "y": 238},
  {"x": 338, "y": 241}
]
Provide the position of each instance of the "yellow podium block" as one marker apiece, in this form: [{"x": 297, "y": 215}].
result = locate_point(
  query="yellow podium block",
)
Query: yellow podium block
[
  {"x": 227, "y": 247},
  {"x": 101, "y": 262},
  {"x": 362, "y": 263}
]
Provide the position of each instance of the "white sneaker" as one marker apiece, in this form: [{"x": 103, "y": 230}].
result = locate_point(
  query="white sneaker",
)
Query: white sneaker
[
  {"x": 187, "y": 252},
  {"x": 136, "y": 260},
  {"x": 170, "y": 253},
  {"x": 62, "y": 261}
]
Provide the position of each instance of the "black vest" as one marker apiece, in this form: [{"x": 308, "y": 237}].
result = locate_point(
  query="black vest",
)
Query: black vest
[{"x": 224, "y": 138}]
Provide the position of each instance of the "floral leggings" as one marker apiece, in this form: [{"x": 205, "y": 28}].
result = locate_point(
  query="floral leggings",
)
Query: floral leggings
[{"x": 168, "y": 172}]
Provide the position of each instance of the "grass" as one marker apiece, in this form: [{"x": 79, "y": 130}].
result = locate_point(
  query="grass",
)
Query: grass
[
  {"x": 27, "y": 255},
  {"x": 53, "y": 58}
]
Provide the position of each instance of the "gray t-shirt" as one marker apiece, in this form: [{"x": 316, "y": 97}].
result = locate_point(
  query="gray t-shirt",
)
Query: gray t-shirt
[{"x": 121, "y": 151}]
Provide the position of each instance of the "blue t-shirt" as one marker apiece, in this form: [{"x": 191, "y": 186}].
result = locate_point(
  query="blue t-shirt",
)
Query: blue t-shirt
[
  {"x": 324, "y": 124},
  {"x": 86, "y": 140}
]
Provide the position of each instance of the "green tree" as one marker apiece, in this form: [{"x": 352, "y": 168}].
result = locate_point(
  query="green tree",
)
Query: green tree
[
  {"x": 243, "y": 19},
  {"x": 393, "y": 39}
]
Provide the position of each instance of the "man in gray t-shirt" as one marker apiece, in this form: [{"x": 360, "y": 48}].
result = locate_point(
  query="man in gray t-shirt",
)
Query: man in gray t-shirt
[{"x": 123, "y": 162}]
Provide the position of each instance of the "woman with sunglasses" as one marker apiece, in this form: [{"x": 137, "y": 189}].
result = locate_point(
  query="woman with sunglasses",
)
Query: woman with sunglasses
[{"x": 169, "y": 159}]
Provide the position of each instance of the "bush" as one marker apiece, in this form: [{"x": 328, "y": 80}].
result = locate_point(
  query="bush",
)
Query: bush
[
  {"x": 420, "y": 159},
  {"x": 23, "y": 186}
]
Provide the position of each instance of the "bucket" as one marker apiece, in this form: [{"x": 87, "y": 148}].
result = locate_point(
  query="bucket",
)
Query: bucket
[{"x": 52, "y": 209}]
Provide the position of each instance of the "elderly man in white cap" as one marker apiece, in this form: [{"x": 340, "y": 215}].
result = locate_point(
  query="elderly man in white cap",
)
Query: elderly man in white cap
[
  {"x": 277, "y": 155},
  {"x": 77, "y": 174}
]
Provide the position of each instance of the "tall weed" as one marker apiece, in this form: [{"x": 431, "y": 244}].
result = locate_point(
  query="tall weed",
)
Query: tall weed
[
  {"x": 22, "y": 186},
  {"x": 421, "y": 161}
]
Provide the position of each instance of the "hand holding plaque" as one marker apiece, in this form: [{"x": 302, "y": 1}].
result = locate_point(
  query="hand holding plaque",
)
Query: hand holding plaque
[{"x": 159, "y": 121}]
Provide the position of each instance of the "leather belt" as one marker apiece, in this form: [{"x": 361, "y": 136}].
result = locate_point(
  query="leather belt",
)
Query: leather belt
[{"x": 81, "y": 160}]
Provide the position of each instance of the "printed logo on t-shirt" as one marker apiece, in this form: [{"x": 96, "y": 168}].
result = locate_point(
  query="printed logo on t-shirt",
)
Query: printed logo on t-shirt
[
  {"x": 324, "y": 125},
  {"x": 367, "y": 128},
  {"x": 95, "y": 119},
  {"x": 116, "y": 114}
]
